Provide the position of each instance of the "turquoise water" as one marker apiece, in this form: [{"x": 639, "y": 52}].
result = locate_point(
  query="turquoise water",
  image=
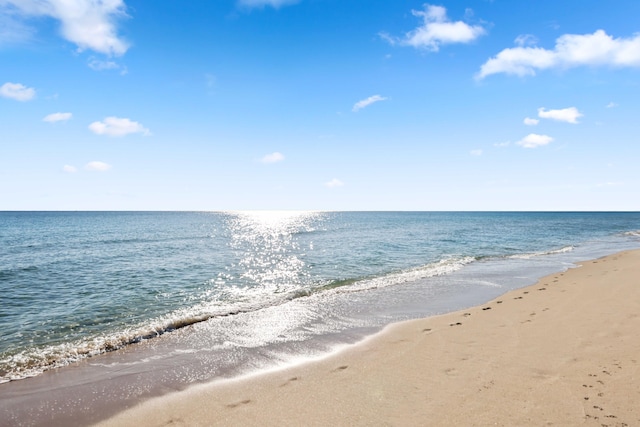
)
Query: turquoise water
[{"x": 79, "y": 284}]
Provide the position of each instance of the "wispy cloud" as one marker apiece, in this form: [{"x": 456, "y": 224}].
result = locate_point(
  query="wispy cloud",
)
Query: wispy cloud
[
  {"x": 366, "y": 102},
  {"x": 571, "y": 50},
  {"x": 436, "y": 30},
  {"x": 334, "y": 183},
  {"x": 568, "y": 115},
  {"x": 116, "y": 126},
  {"x": 17, "y": 91},
  {"x": 526, "y": 40},
  {"x": 13, "y": 31},
  {"x": 57, "y": 117},
  {"x": 533, "y": 140},
  {"x": 97, "y": 166},
  {"x": 530, "y": 122},
  {"x": 262, "y": 3},
  {"x": 102, "y": 65},
  {"x": 69, "y": 169},
  {"x": 476, "y": 152},
  {"x": 89, "y": 24},
  {"x": 272, "y": 158},
  {"x": 611, "y": 105}
]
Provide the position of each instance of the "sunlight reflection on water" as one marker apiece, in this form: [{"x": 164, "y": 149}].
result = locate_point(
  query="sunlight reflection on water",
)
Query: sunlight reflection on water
[{"x": 270, "y": 254}]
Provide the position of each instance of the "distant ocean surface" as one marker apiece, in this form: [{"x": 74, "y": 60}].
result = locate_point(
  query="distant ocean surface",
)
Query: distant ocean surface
[{"x": 257, "y": 287}]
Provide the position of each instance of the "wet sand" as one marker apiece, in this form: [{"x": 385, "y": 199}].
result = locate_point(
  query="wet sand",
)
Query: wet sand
[{"x": 565, "y": 351}]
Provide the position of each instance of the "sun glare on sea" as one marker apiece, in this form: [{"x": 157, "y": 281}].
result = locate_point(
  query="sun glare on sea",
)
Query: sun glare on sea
[{"x": 273, "y": 221}]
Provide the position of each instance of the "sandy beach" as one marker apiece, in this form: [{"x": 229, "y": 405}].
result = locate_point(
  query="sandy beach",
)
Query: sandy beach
[{"x": 565, "y": 351}]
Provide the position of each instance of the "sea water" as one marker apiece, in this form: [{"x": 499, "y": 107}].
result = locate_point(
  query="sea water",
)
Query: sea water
[{"x": 193, "y": 296}]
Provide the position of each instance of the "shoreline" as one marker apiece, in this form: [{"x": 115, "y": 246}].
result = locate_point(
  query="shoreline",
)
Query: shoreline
[{"x": 561, "y": 351}]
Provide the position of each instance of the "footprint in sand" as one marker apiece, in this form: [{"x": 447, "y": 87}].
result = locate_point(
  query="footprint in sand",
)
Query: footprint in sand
[
  {"x": 235, "y": 405},
  {"x": 451, "y": 371},
  {"x": 486, "y": 308},
  {"x": 455, "y": 324},
  {"x": 289, "y": 381}
]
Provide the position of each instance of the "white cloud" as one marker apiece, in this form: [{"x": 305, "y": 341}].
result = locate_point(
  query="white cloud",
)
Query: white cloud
[
  {"x": 533, "y": 140},
  {"x": 272, "y": 158},
  {"x": 261, "y": 3},
  {"x": 476, "y": 152},
  {"x": 366, "y": 102},
  {"x": 57, "y": 117},
  {"x": 335, "y": 182},
  {"x": 102, "y": 65},
  {"x": 96, "y": 166},
  {"x": 437, "y": 30},
  {"x": 526, "y": 40},
  {"x": 502, "y": 144},
  {"x": 69, "y": 169},
  {"x": 569, "y": 115},
  {"x": 571, "y": 50},
  {"x": 17, "y": 91},
  {"x": 611, "y": 105},
  {"x": 530, "y": 122},
  {"x": 115, "y": 126},
  {"x": 89, "y": 24}
]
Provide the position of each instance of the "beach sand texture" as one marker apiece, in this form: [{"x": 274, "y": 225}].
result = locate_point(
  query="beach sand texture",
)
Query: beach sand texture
[{"x": 563, "y": 352}]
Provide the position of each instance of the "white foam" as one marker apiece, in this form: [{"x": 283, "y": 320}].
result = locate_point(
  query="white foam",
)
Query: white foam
[
  {"x": 537, "y": 254},
  {"x": 440, "y": 268}
]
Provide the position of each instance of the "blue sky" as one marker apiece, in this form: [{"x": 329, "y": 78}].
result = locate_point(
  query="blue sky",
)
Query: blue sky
[{"x": 319, "y": 104}]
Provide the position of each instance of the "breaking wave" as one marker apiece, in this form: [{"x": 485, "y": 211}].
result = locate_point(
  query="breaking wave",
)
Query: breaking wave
[{"x": 537, "y": 254}]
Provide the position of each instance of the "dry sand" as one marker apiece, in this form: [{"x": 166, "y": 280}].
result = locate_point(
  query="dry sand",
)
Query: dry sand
[{"x": 564, "y": 352}]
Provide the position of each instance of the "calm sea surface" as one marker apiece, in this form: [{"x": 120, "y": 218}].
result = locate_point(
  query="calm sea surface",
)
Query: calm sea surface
[{"x": 257, "y": 288}]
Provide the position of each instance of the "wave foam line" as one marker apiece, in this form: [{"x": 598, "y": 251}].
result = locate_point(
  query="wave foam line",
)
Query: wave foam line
[
  {"x": 537, "y": 254},
  {"x": 440, "y": 268},
  {"x": 34, "y": 361}
]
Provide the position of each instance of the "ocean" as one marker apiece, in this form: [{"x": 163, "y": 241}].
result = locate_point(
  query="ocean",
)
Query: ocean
[{"x": 116, "y": 307}]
